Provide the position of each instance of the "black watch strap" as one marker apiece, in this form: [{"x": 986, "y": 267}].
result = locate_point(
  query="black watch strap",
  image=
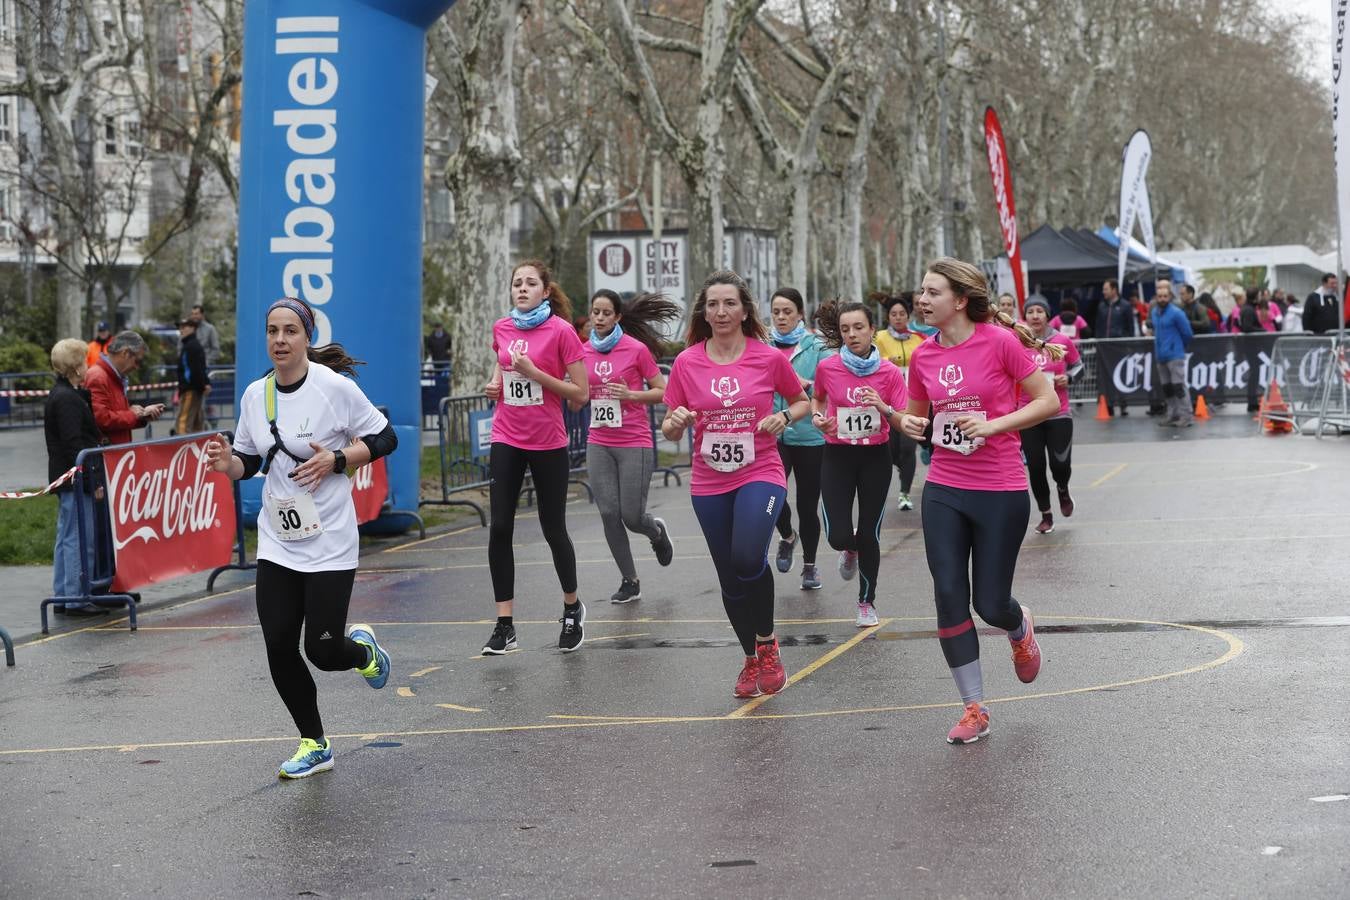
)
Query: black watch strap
[{"x": 339, "y": 461}]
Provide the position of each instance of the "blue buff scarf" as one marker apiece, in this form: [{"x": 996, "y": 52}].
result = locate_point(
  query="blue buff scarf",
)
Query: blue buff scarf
[
  {"x": 898, "y": 335},
  {"x": 532, "y": 319},
  {"x": 862, "y": 366},
  {"x": 607, "y": 343},
  {"x": 792, "y": 338}
]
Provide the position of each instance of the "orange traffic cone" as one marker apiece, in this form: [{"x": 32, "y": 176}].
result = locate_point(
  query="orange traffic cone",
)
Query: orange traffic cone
[
  {"x": 1273, "y": 405},
  {"x": 1103, "y": 413},
  {"x": 1201, "y": 408}
]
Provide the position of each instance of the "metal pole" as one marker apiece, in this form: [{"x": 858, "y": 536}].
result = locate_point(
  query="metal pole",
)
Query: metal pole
[{"x": 944, "y": 164}]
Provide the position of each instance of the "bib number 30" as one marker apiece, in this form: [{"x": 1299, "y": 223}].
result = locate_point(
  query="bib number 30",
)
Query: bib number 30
[{"x": 293, "y": 518}]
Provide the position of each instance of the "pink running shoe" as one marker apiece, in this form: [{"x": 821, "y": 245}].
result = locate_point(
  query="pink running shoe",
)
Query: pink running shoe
[
  {"x": 1026, "y": 653},
  {"x": 747, "y": 685},
  {"x": 772, "y": 677},
  {"x": 974, "y": 725}
]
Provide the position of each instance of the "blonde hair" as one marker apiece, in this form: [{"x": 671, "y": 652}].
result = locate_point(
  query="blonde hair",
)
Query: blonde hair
[
  {"x": 969, "y": 282},
  {"x": 67, "y": 356}
]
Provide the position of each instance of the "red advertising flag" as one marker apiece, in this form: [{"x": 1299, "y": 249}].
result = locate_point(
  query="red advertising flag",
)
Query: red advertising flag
[
  {"x": 171, "y": 515},
  {"x": 1001, "y": 172},
  {"x": 370, "y": 487}
]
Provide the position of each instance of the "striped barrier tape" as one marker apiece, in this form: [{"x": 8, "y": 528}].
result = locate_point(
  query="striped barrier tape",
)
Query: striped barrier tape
[
  {"x": 135, "y": 387},
  {"x": 23, "y": 495}
]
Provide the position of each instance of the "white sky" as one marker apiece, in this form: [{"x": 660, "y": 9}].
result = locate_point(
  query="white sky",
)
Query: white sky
[{"x": 1319, "y": 11}]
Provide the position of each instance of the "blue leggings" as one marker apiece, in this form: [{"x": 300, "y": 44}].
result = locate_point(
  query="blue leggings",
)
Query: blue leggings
[{"x": 737, "y": 526}]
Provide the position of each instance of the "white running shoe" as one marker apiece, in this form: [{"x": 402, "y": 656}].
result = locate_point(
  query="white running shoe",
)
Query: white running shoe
[{"x": 867, "y": 616}]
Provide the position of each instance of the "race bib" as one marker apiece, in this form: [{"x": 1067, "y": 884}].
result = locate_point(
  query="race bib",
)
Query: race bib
[
  {"x": 517, "y": 390},
  {"x": 293, "y": 518},
  {"x": 606, "y": 413},
  {"x": 949, "y": 437},
  {"x": 727, "y": 452},
  {"x": 1069, "y": 331},
  {"x": 857, "y": 422}
]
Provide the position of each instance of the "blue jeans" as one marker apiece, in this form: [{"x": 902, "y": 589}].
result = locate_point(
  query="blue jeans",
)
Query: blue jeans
[{"x": 66, "y": 553}]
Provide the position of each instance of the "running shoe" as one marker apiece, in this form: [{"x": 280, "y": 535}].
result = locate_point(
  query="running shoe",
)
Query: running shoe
[
  {"x": 1065, "y": 501},
  {"x": 1047, "y": 524},
  {"x": 661, "y": 546},
  {"x": 771, "y": 674},
  {"x": 747, "y": 684},
  {"x": 848, "y": 564},
  {"x": 785, "y": 549},
  {"x": 867, "y": 615},
  {"x": 1026, "y": 653},
  {"x": 1166, "y": 423},
  {"x": 903, "y": 503},
  {"x": 628, "y": 592},
  {"x": 503, "y": 639},
  {"x": 375, "y": 672},
  {"x": 810, "y": 577},
  {"x": 974, "y": 724},
  {"x": 311, "y": 759},
  {"x": 572, "y": 620}
]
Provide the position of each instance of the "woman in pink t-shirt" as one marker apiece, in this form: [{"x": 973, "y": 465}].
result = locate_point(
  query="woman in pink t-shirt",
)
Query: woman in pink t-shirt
[
  {"x": 1052, "y": 439},
  {"x": 854, "y": 403},
  {"x": 539, "y": 362},
  {"x": 723, "y": 384},
  {"x": 975, "y": 504},
  {"x": 620, "y": 457}
]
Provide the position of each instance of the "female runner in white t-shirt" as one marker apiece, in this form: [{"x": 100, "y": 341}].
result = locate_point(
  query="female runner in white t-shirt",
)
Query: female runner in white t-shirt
[
  {"x": 305, "y": 426},
  {"x": 975, "y": 504}
]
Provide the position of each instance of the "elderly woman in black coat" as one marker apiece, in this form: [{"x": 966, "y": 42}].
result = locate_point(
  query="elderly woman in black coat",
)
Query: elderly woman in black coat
[{"x": 68, "y": 420}]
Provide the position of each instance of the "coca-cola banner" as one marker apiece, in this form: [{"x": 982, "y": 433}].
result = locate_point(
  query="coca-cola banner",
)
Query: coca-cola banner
[
  {"x": 370, "y": 487},
  {"x": 1218, "y": 366},
  {"x": 999, "y": 171},
  {"x": 171, "y": 515}
]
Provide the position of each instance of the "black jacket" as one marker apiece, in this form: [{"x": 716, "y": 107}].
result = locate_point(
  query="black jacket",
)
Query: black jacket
[
  {"x": 438, "y": 347},
  {"x": 68, "y": 421},
  {"x": 1319, "y": 313},
  {"x": 1115, "y": 320},
  {"x": 191, "y": 364}
]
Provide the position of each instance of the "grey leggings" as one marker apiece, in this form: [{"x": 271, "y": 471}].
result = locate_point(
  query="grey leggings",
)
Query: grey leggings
[{"x": 620, "y": 477}]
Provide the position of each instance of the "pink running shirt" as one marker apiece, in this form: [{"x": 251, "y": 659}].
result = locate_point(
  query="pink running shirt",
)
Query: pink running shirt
[
  {"x": 1052, "y": 367},
  {"x": 863, "y": 424},
  {"x": 730, "y": 400},
  {"x": 528, "y": 416},
  {"x": 979, "y": 376},
  {"x": 617, "y": 423}
]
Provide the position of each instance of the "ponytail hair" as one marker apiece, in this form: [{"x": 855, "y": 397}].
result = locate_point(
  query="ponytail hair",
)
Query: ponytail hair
[
  {"x": 553, "y": 292},
  {"x": 640, "y": 314},
  {"x": 969, "y": 282},
  {"x": 332, "y": 355},
  {"x": 829, "y": 313}
]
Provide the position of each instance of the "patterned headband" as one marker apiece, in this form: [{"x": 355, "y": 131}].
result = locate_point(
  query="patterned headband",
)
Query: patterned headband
[{"x": 295, "y": 306}]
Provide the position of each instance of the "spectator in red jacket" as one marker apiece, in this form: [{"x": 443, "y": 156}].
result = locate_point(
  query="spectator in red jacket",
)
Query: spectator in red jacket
[{"x": 106, "y": 381}]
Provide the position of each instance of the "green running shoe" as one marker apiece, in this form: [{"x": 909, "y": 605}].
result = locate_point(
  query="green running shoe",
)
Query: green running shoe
[
  {"x": 376, "y": 671},
  {"x": 311, "y": 759}
]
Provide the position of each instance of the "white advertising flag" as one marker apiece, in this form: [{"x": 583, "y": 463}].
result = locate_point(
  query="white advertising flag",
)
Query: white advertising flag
[
  {"x": 1138, "y": 152},
  {"x": 1340, "y": 128},
  {"x": 1146, "y": 225}
]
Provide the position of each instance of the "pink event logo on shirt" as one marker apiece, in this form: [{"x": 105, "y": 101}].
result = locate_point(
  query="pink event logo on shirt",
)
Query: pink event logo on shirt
[
  {"x": 520, "y": 346},
  {"x": 950, "y": 376},
  {"x": 604, "y": 369},
  {"x": 1041, "y": 360},
  {"x": 726, "y": 388},
  {"x": 855, "y": 396}
]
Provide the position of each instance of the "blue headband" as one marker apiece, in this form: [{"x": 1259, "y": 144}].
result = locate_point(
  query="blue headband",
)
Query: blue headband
[{"x": 295, "y": 306}]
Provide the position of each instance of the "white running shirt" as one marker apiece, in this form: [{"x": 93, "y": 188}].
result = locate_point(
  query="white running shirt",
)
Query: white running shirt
[{"x": 330, "y": 410}]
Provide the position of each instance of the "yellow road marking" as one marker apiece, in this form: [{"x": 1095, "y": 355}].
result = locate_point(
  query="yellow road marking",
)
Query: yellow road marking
[
  {"x": 406, "y": 692},
  {"x": 33, "y": 642},
  {"x": 456, "y": 706},
  {"x": 427, "y": 671},
  {"x": 1109, "y": 475},
  {"x": 751, "y": 705},
  {"x": 618, "y": 637}
]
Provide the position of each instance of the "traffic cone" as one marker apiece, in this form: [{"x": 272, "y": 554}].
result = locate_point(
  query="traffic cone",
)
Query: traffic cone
[
  {"x": 1273, "y": 404},
  {"x": 1103, "y": 413},
  {"x": 1201, "y": 408}
]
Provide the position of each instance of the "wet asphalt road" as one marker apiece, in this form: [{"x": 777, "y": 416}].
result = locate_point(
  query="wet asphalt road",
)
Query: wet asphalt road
[{"x": 1191, "y": 707}]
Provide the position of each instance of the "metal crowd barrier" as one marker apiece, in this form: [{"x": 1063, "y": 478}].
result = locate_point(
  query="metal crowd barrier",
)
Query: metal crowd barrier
[
  {"x": 464, "y": 441},
  {"x": 93, "y": 576},
  {"x": 9, "y": 647}
]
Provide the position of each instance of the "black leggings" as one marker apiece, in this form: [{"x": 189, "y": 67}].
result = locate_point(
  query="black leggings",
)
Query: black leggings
[
  {"x": 288, "y": 599},
  {"x": 863, "y": 472},
  {"x": 972, "y": 532},
  {"x": 1052, "y": 440},
  {"x": 507, "y": 468},
  {"x": 904, "y": 454},
  {"x": 804, "y": 462}
]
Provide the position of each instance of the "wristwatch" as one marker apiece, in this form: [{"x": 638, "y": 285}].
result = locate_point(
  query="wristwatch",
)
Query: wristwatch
[
  {"x": 787, "y": 416},
  {"x": 339, "y": 461}
]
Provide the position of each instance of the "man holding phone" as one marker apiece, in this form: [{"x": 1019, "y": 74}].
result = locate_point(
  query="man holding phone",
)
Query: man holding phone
[{"x": 114, "y": 414}]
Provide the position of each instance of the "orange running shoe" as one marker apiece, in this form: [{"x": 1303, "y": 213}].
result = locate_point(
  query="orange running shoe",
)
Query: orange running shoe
[
  {"x": 771, "y": 674},
  {"x": 747, "y": 685},
  {"x": 974, "y": 725},
  {"x": 1026, "y": 653}
]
